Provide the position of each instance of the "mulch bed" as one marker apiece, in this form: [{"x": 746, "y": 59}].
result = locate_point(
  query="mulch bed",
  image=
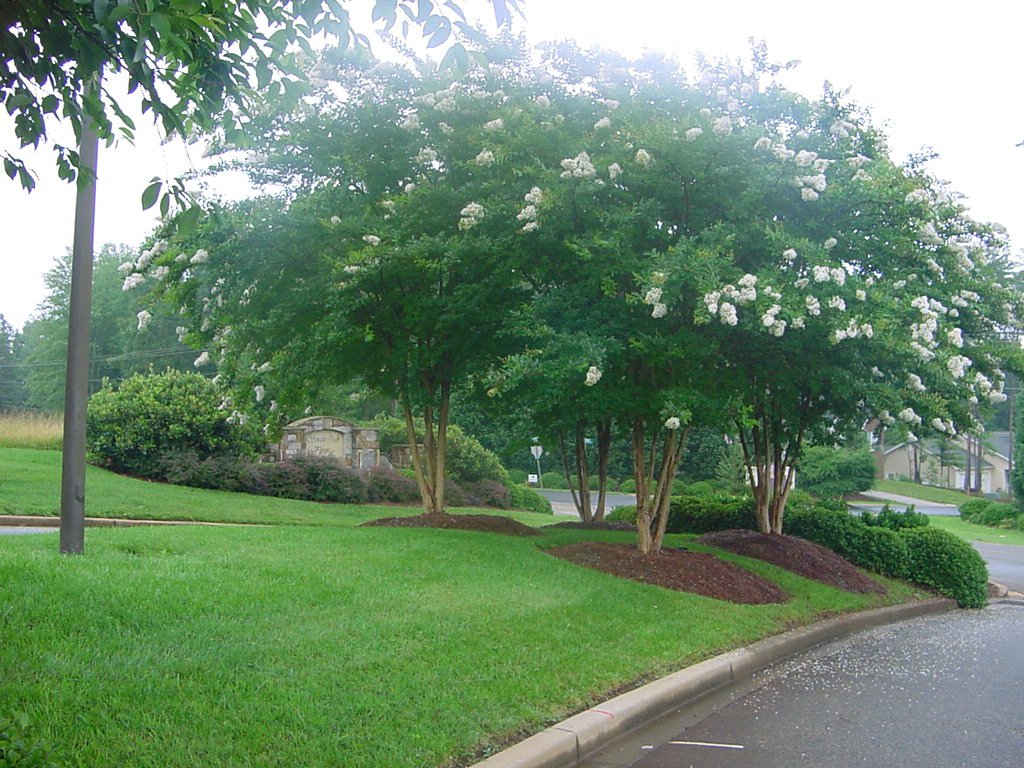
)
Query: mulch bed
[
  {"x": 677, "y": 569},
  {"x": 796, "y": 555},
  {"x": 480, "y": 523},
  {"x": 597, "y": 525}
]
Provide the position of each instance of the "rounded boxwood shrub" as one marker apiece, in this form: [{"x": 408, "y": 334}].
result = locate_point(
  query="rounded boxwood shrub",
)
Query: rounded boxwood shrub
[
  {"x": 826, "y": 471},
  {"x": 889, "y": 518},
  {"x": 973, "y": 509},
  {"x": 554, "y": 481},
  {"x": 624, "y": 514},
  {"x": 948, "y": 564},
  {"x": 704, "y": 514},
  {"x": 517, "y": 476},
  {"x": 131, "y": 427},
  {"x": 881, "y": 550},
  {"x": 521, "y": 497},
  {"x": 627, "y": 486},
  {"x": 834, "y": 529}
]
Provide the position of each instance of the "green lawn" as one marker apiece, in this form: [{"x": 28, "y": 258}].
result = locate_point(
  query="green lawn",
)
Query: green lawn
[
  {"x": 30, "y": 485},
  {"x": 923, "y": 492},
  {"x": 329, "y": 644},
  {"x": 973, "y": 532}
]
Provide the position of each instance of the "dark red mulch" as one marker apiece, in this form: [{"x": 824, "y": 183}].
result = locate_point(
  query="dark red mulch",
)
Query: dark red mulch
[
  {"x": 799, "y": 556},
  {"x": 480, "y": 523},
  {"x": 677, "y": 569},
  {"x": 597, "y": 525}
]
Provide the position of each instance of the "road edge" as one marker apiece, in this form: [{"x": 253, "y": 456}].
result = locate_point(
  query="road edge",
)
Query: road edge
[{"x": 573, "y": 739}]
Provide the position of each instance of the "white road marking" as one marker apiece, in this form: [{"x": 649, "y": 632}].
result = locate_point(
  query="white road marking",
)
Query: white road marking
[{"x": 707, "y": 744}]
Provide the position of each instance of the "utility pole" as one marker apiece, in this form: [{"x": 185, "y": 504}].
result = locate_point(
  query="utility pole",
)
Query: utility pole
[{"x": 76, "y": 388}]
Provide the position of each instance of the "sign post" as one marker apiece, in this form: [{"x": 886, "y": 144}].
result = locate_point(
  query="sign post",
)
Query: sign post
[{"x": 537, "y": 452}]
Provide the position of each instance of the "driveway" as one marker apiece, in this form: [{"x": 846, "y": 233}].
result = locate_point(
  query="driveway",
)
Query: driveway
[
  {"x": 561, "y": 501},
  {"x": 936, "y": 692}
]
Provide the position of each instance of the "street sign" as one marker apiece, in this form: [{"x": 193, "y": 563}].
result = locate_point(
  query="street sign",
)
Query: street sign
[
  {"x": 537, "y": 451},
  {"x": 533, "y": 479}
]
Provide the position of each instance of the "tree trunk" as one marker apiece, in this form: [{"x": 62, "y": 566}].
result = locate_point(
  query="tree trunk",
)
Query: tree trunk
[
  {"x": 430, "y": 468},
  {"x": 581, "y": 502},
  {"x": 653, "y": 498},
  {"x": 604, "y": 446}
]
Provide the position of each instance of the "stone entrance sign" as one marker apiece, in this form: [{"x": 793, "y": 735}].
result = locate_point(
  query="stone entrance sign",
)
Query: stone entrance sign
[{"x": 329, "y": 436}]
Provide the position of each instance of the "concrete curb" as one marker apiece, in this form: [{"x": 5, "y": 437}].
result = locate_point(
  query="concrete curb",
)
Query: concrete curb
[{"x": 573, "y": 739}]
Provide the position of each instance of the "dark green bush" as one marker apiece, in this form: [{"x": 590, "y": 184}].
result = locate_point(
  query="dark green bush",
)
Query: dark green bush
[
  {"x": 284, "y": 479},
  {"x": 466, "y": 459},
  {"x": 881, "y": 550},
  {"x": 521, "y": 497},
  {"x": 703, "y": 488},
  {"x": 889, "y": 518},
  {"x": 627, "y": 486},
  {"x": 131, "y": 427},
  {"x": 517, "y": 476},
  {"x": 553, "y": 480},
  {"x": 384, "y": 484},
  {"x": 837, "y": 530},
  {"x": 703, "y": 514},
  {"x": 488, "y": 493},
  {"x": 997, "y": 514},
  {"x": 971, "y": 510},
  {"x": 624, "y": 514},
  {"x": 948, "y": 564},
  {"x": 19, "y": 745},
  {"x": 1019, "y": 523},
  {"x": 328, "y": 481},
  {"x": 827, "y": 471}
]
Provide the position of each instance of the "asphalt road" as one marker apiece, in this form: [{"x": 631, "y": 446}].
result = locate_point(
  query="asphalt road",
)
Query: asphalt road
[
  {"x": 14, "y": 531},
  {"x": 561, "y": 501},
  {"x": 937, "y": 692},
  {"x": 1005, "y": 566}
]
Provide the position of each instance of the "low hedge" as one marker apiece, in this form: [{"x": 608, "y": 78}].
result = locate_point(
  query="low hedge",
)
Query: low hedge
[
  {"x": 889, "y": 518},
  {"x": 948, "y": 564},
  {"x": 704, "y": 514},
  {"x": 528, "y": 499},
  {"x": 987, "y": 512}
]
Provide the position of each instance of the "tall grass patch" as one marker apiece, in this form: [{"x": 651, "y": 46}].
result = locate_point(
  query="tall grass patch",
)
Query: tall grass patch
[{"x": 28, "y": 429}]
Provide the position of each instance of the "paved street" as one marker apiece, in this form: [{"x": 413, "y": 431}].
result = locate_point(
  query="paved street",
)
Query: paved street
[
  {"x": 1005, "y": 564},
  {"x": 561, "y": 501},
  {"x": 15, "y": 531},
  {"x": 938, "y": 692}
]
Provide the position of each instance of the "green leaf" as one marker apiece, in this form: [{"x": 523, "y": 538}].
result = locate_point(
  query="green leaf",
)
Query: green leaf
[
  {"x": 165, "y": 205},
  {"x": 161, "y": 24},
  {"x": 10, "y": 167},
  {"x": 187, "y": 220},
  {"x": 150, "y": 194}
]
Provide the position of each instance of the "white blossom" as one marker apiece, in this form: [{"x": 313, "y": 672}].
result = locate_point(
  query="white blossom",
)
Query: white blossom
[
  {"x": 614, "y": 171},
  {"x": 485, "y": 158},
  {"x": 877, "y": 372},
  {"x": 202, "y": 360},
  {"x": 711, "y": 302},
  {"x": 578, "y": 167},
  {"x": 132, "y": 281},
  {"x": 808, "y": 194},
  {"x": 593, "y": 376},
  {"x": 530, "y": 226},
  {"x": 692, "y": 134},
  {"x": 748, "y": 281},
  {"x": 831, "y": 243},
  {"x": 672, "y": 422},
  {"x": 446, "y": 129},
  {"x": 822, "y": 274},
  {"x": 909, "y": 416},
  {"x": 802, "y": 283},
  {"x": 789, "y": 254},
  {"x": 914, "y": 383},
  {"x": 471, "y": 216},
  {"x": 335, "y": 220},
  {"x": 604, "y": 122},
  {"x": 144, "y": 317},
  {"x": 917, "y": 196},
  {"x": 528, "y": 213},
  {"x": 938, "y": 424},
  {"x": 861, "y": 295},
  {"x": 543, "y": 101},
  {"x": 955, "y": 337},
  {"x": 805, "y": 158},
  {"x": 813, "y": 305},
  {"x": 494, "y": 125},
  {"x": 838, "y": 275},
  {"x": 260, "y": 392},
  {"x": 722, "y": 126},
  {"x": 410, "y": 123},
  {"x": 659, "y": 311},
  {"x": 161, "y": 272},
  {"x": 727, "y": 313},
  {"x": 763, "y": 143},
  {"x": 426, "y": 156},
  {"x": 653, "y": 296},
  {"x": 127, "y": 266},
  {"x": 957, "y": 366},
  {"x": 643, "y": 158},
  {"x": 798, "y": 322}
]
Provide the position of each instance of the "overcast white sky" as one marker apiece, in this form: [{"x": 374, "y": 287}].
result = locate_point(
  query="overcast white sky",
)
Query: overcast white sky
[{"x": 942, "y": 79}]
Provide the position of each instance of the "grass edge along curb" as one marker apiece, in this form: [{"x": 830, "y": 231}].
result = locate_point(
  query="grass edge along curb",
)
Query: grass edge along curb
[{"x": 573, "y": 739}]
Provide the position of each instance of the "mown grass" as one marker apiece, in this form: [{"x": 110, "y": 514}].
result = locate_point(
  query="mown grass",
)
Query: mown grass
[
  {"x": 24, "y": 429},
  {"x": 923, "y": 492},
  {"x": 30, "y": 485},
  {"x": 972, "y": 532},
  {"x": 338, "y": 646}
]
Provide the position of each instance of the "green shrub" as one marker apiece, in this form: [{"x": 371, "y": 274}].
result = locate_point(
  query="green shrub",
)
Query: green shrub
[
  {"x": 998, "y": 514},
  {"x": 20, "y": 747},
  {"x": 521, "y": 497},
  {"x": 703, "y": 488},
  {"x": 881, "y": 550},
  {"x": 829, "y": 471},
  {"x": 133, "y": 426},
  {"x": 554, "y": 480},
  {"x": 487, "y": 493},
  {"x": 328, "y": 481},
  {"x": 973, "y": 509},
  {"x": 627, "y": 486},
  {"x": 837, "y": 530},
  {"x": 889, "y": 518},
  {"x": 1019, "y": 523},
  {"x": 518, "y": 476},
  {"x": 703, "y": 514},
  {"x": 624, "y": 514},
  {"x": 466, "y": 459},
  {"x": 948, "y": 564}
]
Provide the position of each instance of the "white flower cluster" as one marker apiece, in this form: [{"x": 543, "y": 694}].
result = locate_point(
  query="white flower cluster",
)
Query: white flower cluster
[
  {"x": 160, "y": 273},
  {"x": 789, "y": 255},
  {"x": 955, "y": 337},
  {"x": 578, "y": 167},
  {"x": 672, "y": 422},
  {"x": 915, "y": 384},
  {"x": 957, "y": 366},
  {"x": 771, "y": 321},
  {"x": 841, "y": 129},
  {"x": 909, "y": 416},
  {"x": 144, "y": 317},
  {"x": 917, "y": 196},
  {"x": 604, "y": 122},
  {"x": 133, "y": 280},
  {"x": 886, "y": 418},
  {"x": 813, "y": 305},
  {"x": 943, "y": 426},
  {"x": 644, "y": 159},
  {"x": 485, "y": 158},
  {"x": 528, "y": 214},
  {"x": 371, "y": 240},
  {"x": 494, "y": 125},
  {"x": 411, "y": 122},
  {"x": 202, "y": 360},
  {"x": 692, "y": 134},
  {"x": 852, "y": 330},
  {"x": 614, "y": 171},
  {"x": 837, "y": 303},
  {"x": 260, "y": 391},
  {"x": 542, "y": 101},
  {"x": 427, "y": 156},
  {"x": 593, "y": 376},
  {"x": 653, "y": 299},
  {"x": 722, "y": 126},
  {"x": 471, "y": 216}
]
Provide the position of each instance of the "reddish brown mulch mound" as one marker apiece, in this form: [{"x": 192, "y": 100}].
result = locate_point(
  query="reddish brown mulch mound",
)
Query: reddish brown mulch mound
[
  {"x": 594, "y": 525},
  {"x": 677, "y": 569},
  {"x": 802, "y": 557},
  {"x": 481, "y": 523}
]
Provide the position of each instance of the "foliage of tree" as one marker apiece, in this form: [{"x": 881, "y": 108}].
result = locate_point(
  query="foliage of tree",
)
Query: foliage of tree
[
  {"x": 12, "y": 385},
  {"x": 832, "y": 471},
  {"x": 134, "y": 426},
  {"x": 199, "y": 64},
  {"x": 127, "y": 334}
]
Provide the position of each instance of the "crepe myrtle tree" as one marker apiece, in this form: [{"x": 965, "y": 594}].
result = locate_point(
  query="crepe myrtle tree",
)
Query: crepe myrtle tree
[
  {"x": 843, "y": 287},
  {"x": 397, "y": 256}
]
